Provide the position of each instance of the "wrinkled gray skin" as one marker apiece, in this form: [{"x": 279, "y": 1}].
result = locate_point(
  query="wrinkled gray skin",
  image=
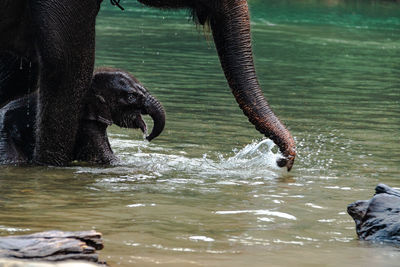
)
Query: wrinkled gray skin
[
  {"x": 58, "y": 37},
  {"x": 378, "y": 219},
  {"x": 115, "y": 97}
]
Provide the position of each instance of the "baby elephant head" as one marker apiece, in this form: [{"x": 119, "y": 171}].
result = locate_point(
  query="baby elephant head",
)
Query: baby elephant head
[{"x": 118, "y": 97}]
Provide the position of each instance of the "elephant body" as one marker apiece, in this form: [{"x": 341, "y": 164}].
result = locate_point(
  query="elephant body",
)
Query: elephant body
[
  {"x": 60, "y": 36},
  {"x": 57, "y": 38},
  {"x": 115, "y": 96}
]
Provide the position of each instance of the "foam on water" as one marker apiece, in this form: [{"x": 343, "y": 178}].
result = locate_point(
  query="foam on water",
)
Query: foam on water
[
  {"x": 201, "y": 238},
  {"x": 7, "y": 229},
  {"x": 141, "y": 160}
]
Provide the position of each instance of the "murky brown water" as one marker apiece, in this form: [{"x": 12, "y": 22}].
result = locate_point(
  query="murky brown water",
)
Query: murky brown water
[{"x": 207, "y": 192}]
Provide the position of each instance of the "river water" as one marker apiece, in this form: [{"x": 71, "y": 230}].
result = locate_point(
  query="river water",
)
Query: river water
[{"x": 207, "y": 191}]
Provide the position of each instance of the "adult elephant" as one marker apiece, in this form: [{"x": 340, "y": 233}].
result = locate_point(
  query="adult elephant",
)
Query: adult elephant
[{"x": 63, "y": 34}]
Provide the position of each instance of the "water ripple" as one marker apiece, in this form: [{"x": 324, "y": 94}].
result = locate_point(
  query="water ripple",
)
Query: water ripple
[{"x": 259, "y": 212}]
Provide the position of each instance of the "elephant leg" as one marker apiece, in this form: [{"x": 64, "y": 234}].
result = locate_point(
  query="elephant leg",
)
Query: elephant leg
[
  {"x": 16, "y": 133},
  {"x": 9, "y": 152},
  {"x": 65, "y": 40},
  {"x": 92, "y": 144}
]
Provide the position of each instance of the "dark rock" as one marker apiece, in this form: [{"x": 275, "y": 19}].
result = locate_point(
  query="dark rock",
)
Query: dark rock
[{"x": 378, "y": 219}]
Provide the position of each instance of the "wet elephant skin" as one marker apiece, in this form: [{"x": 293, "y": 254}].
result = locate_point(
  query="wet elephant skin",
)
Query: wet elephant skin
[
  {"x": 60, "y": 36},
  {"x": 115, "y": 97}
]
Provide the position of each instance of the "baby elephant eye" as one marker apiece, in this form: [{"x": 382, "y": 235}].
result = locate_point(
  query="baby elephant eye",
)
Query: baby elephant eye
[{"x": 131, "y": 98}]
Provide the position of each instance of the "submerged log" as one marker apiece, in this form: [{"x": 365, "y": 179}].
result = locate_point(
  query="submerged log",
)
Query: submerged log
[
  {"x": 53, "y": 246},
  {"x": 8, "y": 262},
  {"x": 378, "y": 219}
]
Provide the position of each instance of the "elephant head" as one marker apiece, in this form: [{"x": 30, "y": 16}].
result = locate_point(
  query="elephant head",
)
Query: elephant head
[
  {"x": 118, "y": 97},
  {"x": 229, "y": 21}
]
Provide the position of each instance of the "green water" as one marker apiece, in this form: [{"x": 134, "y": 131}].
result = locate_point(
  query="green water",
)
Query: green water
[{"x": 206, "y": 192}]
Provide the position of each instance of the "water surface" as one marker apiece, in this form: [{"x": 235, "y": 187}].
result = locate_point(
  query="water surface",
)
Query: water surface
[{"x": 207, "y": 192}]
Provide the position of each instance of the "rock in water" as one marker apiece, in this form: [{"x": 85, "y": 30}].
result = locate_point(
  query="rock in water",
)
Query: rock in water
[
  {"x": 53, "y": 246},
  {"x": 378, "y": 219}
]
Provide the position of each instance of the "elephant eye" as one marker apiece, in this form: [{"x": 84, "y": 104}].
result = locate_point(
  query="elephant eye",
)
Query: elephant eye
[{"x": 131, "y": 98}]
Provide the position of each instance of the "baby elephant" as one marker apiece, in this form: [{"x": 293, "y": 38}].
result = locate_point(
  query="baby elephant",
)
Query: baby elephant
[{"x": 115, "y": 97}]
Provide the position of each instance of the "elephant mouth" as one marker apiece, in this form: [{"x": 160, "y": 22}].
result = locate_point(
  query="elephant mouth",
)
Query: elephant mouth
[
  {"x": 135, "y": 122},
  {"x": 132, "y": 122},
  {"x": 139, "y": 123}
]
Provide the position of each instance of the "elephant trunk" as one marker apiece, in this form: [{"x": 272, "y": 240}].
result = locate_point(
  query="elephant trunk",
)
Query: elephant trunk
[
  {"x": 156, "y": 111},
  {"x": 231, "y": 32}
]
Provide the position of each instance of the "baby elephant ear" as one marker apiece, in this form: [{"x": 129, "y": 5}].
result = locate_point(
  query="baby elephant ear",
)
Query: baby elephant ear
[
  {"x": 104, "y": 120},
  {"x": 97, "y": 110}
]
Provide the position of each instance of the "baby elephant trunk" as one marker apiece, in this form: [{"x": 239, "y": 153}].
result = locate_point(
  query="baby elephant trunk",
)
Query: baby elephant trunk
[{"x": 156, "y": 111}]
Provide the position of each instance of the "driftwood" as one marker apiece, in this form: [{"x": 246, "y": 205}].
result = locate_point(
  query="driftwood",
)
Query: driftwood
[
  {"x": 53, "y": 246},
  {"x": 378, "y": 219},
  {"x": 9, "y": 262}
]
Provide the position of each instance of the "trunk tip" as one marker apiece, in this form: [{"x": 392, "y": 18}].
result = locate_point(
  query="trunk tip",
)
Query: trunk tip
[
  {"x": 285, "y": 162},
  {"x": 149, "y": 138},
  {"x": 288, "y": 160},
  {"x": 157, "y": 129}
]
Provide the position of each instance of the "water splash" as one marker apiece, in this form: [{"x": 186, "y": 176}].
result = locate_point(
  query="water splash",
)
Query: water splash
[
  {"x": 141, "y": 160},
  {"x": 254, "y": 160}
]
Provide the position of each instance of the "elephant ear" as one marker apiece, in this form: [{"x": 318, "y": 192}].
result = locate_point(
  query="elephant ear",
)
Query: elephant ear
[{"x": 97, "y": 109}]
